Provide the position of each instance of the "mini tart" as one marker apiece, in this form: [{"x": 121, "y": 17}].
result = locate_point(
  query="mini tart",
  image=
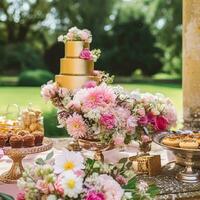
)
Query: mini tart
[
  {"x": 171, "y": 141},
  {"x": 39, "y": 136},
  {"x": 16, "y": 141},
  {"x": 23, "y": 132},
  {"x": 29, "y": 140},
  {"x": 3, "y": 139},
  {"x": 10, "y": 134},
  {"x": 189, "y": 144}
]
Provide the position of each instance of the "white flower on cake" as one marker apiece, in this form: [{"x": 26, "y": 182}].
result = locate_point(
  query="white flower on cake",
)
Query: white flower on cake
[
  {"x": 71, "y": 184},
  {"x": 68, "y": 161}
]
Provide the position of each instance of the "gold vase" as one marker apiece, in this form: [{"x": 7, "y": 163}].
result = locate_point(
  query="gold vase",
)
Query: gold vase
[{"x": 96, "y": 146}]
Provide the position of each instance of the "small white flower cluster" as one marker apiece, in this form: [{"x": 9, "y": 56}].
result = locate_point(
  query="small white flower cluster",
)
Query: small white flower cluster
[{"x": 75, "y": 34}]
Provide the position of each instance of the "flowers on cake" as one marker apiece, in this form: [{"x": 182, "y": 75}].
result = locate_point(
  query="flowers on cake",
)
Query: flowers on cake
[
  {"x": 93, "y": 55},
  {"x": 97, "y": 181},
  {"x": 110, "y": 114},
  {"x": 75, "y": 34}
]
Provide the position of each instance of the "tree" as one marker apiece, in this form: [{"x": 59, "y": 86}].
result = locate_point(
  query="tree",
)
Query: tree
[{"x": 131, "y": 46}]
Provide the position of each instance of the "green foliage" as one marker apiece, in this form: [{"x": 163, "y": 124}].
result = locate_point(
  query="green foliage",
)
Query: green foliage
[
  {"x": 18, "y": 57},
  {"x": 34, "y": 77},
  {"x": 51, "y": 123},
  {"x": 5, "y": 197}
]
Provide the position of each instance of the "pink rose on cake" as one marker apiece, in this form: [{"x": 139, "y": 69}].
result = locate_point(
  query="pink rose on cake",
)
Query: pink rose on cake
[{"x": 86, "y": 54}]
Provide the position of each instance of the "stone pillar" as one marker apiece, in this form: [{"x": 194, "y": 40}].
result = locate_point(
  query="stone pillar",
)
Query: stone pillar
[{"x": 191, "y": 63}]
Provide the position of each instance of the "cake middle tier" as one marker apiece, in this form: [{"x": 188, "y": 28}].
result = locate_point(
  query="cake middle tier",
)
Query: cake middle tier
[
  {"x": 76, "y": 66},
  {"x": 72, "y": 82}
]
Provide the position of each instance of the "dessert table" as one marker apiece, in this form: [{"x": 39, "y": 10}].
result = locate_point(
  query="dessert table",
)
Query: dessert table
[{"x": 169, "y": 187}]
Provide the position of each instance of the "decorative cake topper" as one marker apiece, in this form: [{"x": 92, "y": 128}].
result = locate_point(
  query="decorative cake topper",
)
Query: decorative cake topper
[{"x": 75, "y": 34}]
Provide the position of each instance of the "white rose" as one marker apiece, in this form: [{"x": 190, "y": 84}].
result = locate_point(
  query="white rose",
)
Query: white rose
[{"x": 60, "y": 38}]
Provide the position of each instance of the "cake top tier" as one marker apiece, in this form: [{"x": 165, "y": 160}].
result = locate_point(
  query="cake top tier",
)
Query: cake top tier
[{"x": 75, "y": 34}]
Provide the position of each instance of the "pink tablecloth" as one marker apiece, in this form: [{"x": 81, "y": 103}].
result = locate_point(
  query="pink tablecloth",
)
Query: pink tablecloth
[{"x": 111, "y": 156}]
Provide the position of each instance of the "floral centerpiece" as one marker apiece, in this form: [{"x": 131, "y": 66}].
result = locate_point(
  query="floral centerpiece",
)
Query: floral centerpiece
[
  {"x": 110, "y": 114},
  {"x": 70, "y": 176}
]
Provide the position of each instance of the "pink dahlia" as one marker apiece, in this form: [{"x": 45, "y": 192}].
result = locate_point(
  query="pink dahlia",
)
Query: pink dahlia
[
  {"x": 90, "y": 84},
  {"x": 108, "y": 120},
  {"x": 100, "y": 96},
  {"x": 48, "y": 91},
  {"x": 93, "y": 195},
  {"x": 86, "y": 54},
  {"x": 76, "y": 126}
]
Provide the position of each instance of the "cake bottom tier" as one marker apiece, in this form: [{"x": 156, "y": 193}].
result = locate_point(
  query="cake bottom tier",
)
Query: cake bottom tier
[{"x": 72, "y": 82}]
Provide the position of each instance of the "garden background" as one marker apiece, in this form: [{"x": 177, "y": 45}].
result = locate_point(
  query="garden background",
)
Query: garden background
[{"x": 140, "y": 42}]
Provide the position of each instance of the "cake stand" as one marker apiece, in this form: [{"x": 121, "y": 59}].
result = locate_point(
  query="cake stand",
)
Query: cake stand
[
  {"x": 17, "y": 155},
  {"x": 190, "y": 156},
  {"x": 95, "y": 146}
]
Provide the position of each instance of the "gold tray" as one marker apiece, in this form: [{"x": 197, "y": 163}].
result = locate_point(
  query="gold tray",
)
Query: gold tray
[
  {"x": 189, "y": 156},
  {"x": 17, "y": 155}
]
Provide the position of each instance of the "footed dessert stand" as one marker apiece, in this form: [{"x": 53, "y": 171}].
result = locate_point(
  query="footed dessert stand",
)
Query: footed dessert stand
[
  {"x": 95, "y": 146},
  {"x": 190, "y": 157},
  {"x": 17, "y": 155}
]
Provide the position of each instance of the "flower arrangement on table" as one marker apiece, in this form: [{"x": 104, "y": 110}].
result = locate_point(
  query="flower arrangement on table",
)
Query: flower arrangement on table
[
  {"x": 70, "y": 176},
  {"x": 110, "y": 114}
]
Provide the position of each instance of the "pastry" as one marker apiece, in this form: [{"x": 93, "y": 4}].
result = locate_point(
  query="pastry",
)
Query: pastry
[
  {"x": 29, "y": 140},
  {"x": 38, "y": 137},
  {"x": 16, "y": 141},
  {"x": 9, "y": 135},
  {"x": 23, "y": 132},
  {"x": 3, "y": 139},
  {"x": 171, "y": 141},
  {"x": 189, "y": 144}
]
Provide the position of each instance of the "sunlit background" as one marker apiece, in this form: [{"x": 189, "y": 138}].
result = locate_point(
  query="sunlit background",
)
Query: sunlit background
[{"x": 140, "y": 42}]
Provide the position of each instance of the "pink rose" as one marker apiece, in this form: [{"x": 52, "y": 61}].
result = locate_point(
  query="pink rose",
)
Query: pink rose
[
  {"x": 121, "y": 180},
  {"x": 42, "y": 186},
  {"x": 58, "y": 186},
  {"x": 145, "y": 138},
  {"x": 108, "y": 120},
  {"x": 118, "y": 140},
  {"x": 143, "y": 121},
  {"x": 92, "y": 195},
  {"x": 161, "y": 123},
  {"x": 21, "y": 196},
  {"x": 151, "y": 118},
  {"x": 90, "y": 84},
  {"x": 86, "y": 54}
]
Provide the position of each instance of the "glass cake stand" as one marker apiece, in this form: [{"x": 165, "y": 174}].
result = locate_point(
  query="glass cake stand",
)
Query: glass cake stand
[
  {"x": 189, "y": 174},
  {"x": 17, "y": 155}
]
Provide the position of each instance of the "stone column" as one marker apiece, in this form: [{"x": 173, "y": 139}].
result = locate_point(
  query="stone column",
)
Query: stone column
[{"x": 191, "y": 63}]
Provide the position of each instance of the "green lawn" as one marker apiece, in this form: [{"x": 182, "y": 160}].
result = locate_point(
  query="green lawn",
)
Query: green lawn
[{"x": 25, "y": 95}]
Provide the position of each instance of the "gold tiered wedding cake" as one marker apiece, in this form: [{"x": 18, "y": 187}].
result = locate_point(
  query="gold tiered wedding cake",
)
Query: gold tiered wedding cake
[{"x": 77, "y": 67}]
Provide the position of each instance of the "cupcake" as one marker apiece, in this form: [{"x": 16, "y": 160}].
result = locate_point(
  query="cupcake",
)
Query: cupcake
[
  {"x": 16, "y": 141},
  {"x": 23, "y": 132},
  {"x": 9, "y": 135},
  {"x": 38, "y": 137},
  {"x": 3, "y": 139},
  {"x": 29, "y": 140}
]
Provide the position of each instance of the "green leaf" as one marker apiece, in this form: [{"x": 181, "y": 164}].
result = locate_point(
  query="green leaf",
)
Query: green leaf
[
  {"x": 129, "y": 165},
  {"x": 40, "y": 161},
  {"x": 49, "y": 155},
  {"x": 5, "y": 197},
  {"x": 123, "y": 160},
  {"x": 131, "y": 184},
  {"x": 153, "y": 190}
]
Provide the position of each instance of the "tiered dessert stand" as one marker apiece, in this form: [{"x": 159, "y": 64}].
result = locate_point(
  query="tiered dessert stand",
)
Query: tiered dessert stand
[
  {"x": 189, "y": 156},
  {"x": 17, "y": 155}
]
